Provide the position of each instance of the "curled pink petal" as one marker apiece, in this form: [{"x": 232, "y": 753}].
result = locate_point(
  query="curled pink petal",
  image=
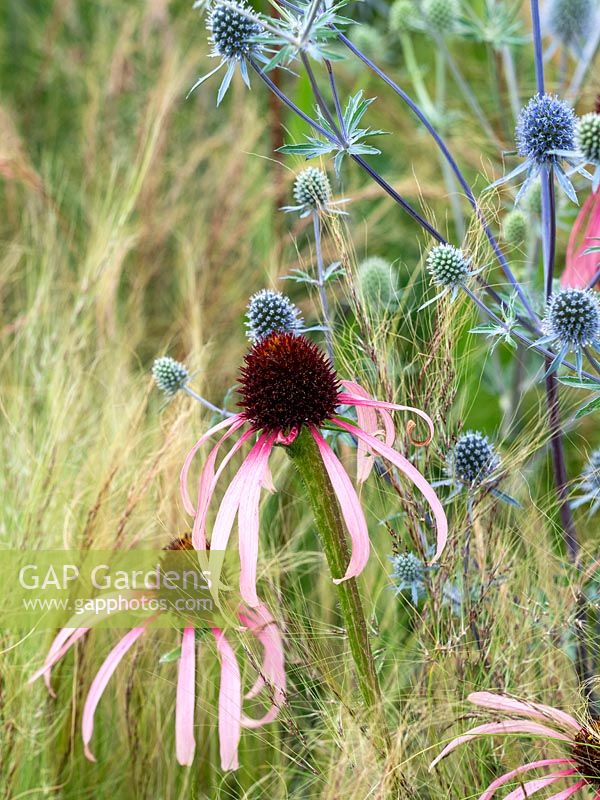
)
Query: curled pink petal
[
  {"x": 62, "y": 642},
  {"x": 230, "y": 703},
  {"x": 581, "y": 267},
  {"x": 249, "y": 521},
  {"x": 491, "y": 728},
  {"x": 350, "y": 507},
  {"x": 183, "y": 475},
  {"x": 207, "y": 484},
  {"x": 352, "y": 400},
  {"x": 99, "y": 685},
  {"x": 264, "y": 627},
  {"x": 367, "y": 420},
  {"x": 185, "y": 744},
  {"x": 413, "y": 474},
  {"x": 507, "y": 777},
  {"x": 509, "y": 705},
  {"x": 536, "y": 785}
]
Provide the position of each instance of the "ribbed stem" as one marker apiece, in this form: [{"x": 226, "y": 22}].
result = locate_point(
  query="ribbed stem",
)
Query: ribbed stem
[{"x": 330, "y": 525}]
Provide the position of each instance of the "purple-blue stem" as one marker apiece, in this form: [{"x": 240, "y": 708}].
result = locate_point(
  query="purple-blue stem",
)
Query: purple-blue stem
[{"x": 322, "y": 288}]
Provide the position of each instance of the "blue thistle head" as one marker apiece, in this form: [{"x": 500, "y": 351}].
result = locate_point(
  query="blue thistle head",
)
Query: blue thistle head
[
  {"x": 441, "y": 15},
  {"x": 447, "y": 265},
  {"x": 378, "y": 284},
  {"x": 312, "y": 189},
  {"x": 515, "y": 227},
  {"x": 590, "y": 484},
  {"x": 588, "y": 137},
  {"x": 271, "y": 312},
  {"x": 591, "y": 473},
  {"x": 472, "y": 459},
  {"x": 573, "y": 318},
  {"x": 402, "y": 16},
  {"x": 408, "y": 573},
  {"x": 231, "y": 31},
  {"x": 169, "y": 375},
  {"x": 569, "y": 20},
  {"x": 545, "y": 124}
]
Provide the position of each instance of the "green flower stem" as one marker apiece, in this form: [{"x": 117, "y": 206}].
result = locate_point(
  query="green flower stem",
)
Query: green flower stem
[{"x": 330, "y": 525}]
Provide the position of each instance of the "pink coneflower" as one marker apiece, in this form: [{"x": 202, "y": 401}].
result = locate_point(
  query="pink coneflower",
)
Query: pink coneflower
[
  {"x": 287, "y": 383},
  {"x": 580, "y": 765},
  {"x": 581, "y": 266},
  {"x": 231, "y": 718}
]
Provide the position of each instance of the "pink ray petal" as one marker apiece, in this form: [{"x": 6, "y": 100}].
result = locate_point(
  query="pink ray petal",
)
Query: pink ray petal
[
  {"x": 232, "y": 498},
  {"x": 350, "y": 507},
  {"x": 509, "y": 705},
  {"x": 508, "y": 776},
  {"x": 249, "y": 522},
  {"x": 536, "y": 785},
  {"x": 183, "y": 475},
  {"x": 185, "y": 744},
  {"x": 413, "y": 474},
  {"x": 63, "y": 641},
  {"x": 99, "y": 685},
  {"x": 367, "y": 420},
  {"x": 230, "y": 703},
  {"x": 208, "y": 483},
  {"x": 580, "y": 268},
  {"x": 264, "y": 627},
  {"x": 511, "y": 726},
  {"x": 570, "y": 791},
  {"x": 381, "y": 405}
]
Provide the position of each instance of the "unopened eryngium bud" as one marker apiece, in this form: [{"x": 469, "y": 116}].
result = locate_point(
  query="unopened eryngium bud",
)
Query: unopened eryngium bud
[
  {"x": 378, "y": 284},
  {"x": 368, "y": 40},
  {"x": 232, "y": 31},
  {"x": 573, "y": 318},
  {"x": 408, "y": 568},
  {"x": 514, "y": 227},
  {"x": 271, "y": 312},
  {"x": 447, "y": 265},
  {"x": 312, "y": 188},
  {"x": 169, "y": 375},
  {"x": 545, "y": 124},
  {"x": 472, "y": 459},
  {"x": 588, "y": 137},
  {"x": 402, "y": 16},
  {"x": 441, "y": 15},
  {"x": 569, "y": 20}
]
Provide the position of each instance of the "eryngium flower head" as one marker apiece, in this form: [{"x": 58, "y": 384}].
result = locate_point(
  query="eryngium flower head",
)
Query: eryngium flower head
[
  {"x": 590, "y": 485},
  {"x": 169, "y": 375},
  {"x": 472, "y": 459},
  {"x": 287, "y": 382},
  {"x": 569, "y": 20},
  {"x": 441, "y": 15},
  {"x": 514, "y": 227},
  {"x": 588, "y": 137},
  {"x": 408, "y": 573},
  {"x": 591, "y": 473},
  {"x": 573, "y": 318},
  {"x": 312, "y": 188},
  {"x": 232, "y": 31},
  {"x": 368, "y": 40},
  {"x": 378, "y": 284},
  {"x": 544, "y": 125},
  {"x": 402, "y": 16},
  {"x": 271, "y": 312},
  {"x": 447, "y": 265}
]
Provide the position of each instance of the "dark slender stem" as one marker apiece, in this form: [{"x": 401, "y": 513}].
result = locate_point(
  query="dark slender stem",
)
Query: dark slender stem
[
  {"x": 595, "y": 280},
  {"x": 321, "y": 100},
  {"x": 322, "y": 288},
  {"x": 537, "y": 46},
  {"x": 336, "y": 99}
]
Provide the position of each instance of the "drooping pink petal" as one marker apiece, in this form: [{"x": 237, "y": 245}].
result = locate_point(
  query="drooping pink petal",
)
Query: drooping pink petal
[
  {"x": 536, "y": 785},
  {"x": 62, "y": 642},
  {"x": 249, "y": 522},
  {"x": 350, "y": 507},
  {"x": 232, "y": 498},
  {"x": 230, "y": 703},
  {"x": 185, "y": 744},
  {"x": 382, "y": 405},
  {"x": 264, "y": 627},
  {"x": 207, "y": 484},
  {"x": 581, "y": 268},
  {"x": 367, "y": 420},
  {"x": 570, "y": 791},
  {"x": 508, "y": 705},
  {"x": 413, "y": 474},
  {"x": 508, "y": 776},
  {"x": 99, "y": 685},
  {"x": 492, "y": 728},
  {"x": 183, "y": 475}
]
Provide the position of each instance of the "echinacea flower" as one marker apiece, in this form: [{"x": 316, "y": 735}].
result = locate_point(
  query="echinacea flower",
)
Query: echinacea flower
[
  {"x": 581, "y": 265},
  {"x": 287, "y": 384},
  {"x": 231, "y": 718},
  {"x": 580, "y": 764}
]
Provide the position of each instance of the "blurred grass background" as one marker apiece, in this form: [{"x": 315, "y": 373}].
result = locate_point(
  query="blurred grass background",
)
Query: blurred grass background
[{"x": 136, "y": 223}]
